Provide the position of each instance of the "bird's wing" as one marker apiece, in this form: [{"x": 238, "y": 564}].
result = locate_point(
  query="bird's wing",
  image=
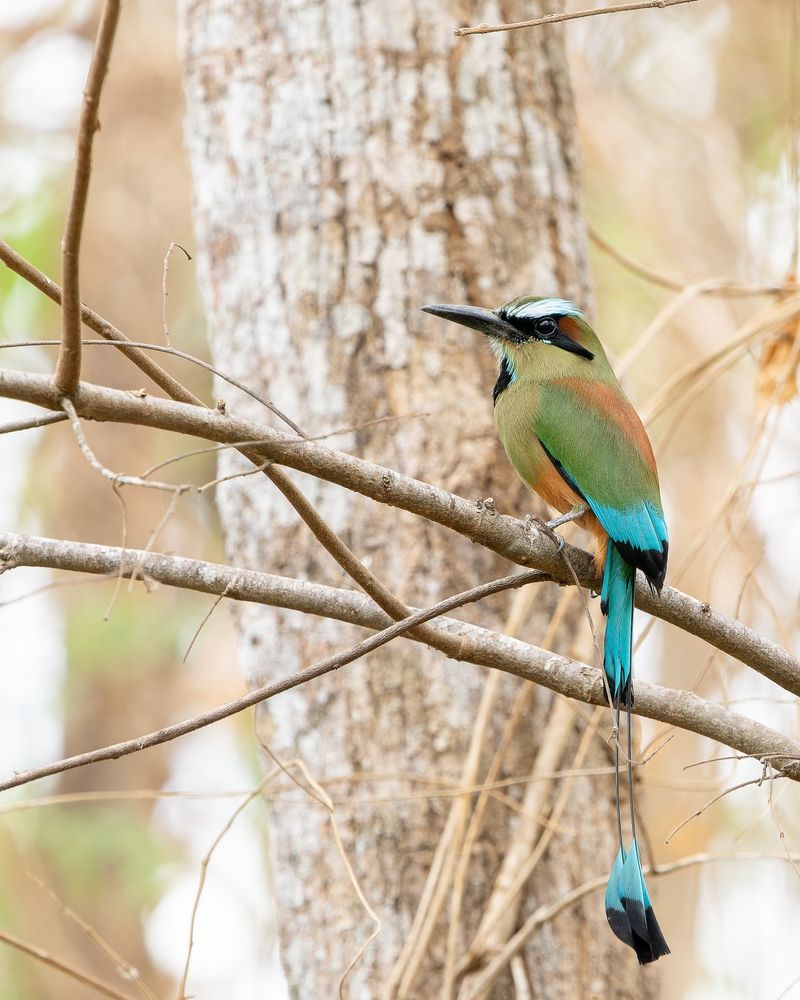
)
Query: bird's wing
[{"x": 596, "y": 441}]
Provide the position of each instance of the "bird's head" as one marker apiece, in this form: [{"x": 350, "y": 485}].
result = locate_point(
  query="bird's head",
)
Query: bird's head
[{"x": 532, "y": 337}]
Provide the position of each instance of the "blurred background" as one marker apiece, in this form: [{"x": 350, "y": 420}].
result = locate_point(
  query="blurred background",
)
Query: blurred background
[{"x": 689, "y": 131}]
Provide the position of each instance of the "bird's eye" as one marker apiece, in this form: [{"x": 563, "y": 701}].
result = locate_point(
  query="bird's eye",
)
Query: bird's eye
[{"x": 546, "y": 327}]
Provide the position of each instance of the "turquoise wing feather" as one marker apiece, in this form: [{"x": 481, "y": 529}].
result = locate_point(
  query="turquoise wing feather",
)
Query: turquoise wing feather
[{"x": 597, "y": 443}]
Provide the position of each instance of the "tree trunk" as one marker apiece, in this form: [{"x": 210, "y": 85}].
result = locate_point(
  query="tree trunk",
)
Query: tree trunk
[{"x": 351, "y": 162}]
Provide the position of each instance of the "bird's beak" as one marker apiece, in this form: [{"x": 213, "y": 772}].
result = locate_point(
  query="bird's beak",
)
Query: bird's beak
[{"x": 482, "y": 320}]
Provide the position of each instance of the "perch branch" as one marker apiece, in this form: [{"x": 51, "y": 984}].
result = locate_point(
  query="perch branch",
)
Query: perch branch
[
  {"x": 509, "y": 537},
  {"x": 458, "y": 640}
]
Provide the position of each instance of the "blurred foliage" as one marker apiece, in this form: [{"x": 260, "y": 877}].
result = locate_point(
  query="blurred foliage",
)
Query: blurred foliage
[{"x": 105, "y": 856}]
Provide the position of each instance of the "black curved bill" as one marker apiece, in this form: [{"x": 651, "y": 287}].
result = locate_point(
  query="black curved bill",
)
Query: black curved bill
[{"x": 482, "y": 320}]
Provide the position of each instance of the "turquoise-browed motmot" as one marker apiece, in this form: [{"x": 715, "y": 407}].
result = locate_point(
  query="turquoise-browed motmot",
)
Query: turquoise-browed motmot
[{"x": 574, "y": 438}]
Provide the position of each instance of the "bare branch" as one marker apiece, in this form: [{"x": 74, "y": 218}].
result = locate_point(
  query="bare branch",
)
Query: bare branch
[
  {"x": 142, "y": 346},
  {"x": 115, "y": 477},
  {"x": 486, "y": 29},
  {"x": 164, "y": 290},
  {"x": 123, "y": 967},
  {"x": 725, "y": 287},
  {"x": 499, "y": 533},
  {"x": 224, "y": 711},
  {"x": 514, "y": 539},
  {"x": 458, "y": 640},
  {"x": 32, "y": 422},
  {"x": 43, "y": 956},
  {"x": 68, "y": 367}
]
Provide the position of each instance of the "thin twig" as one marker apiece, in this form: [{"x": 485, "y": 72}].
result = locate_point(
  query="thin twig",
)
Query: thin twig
[
  {"x": 711, "y": 801},
  {"x": 67, "y": 968},
  {"x": 55, "y": 585},
  {"x": 68, "y": 366},
  {"x": 117, "y": 491},
  {"x": 773, "y": 807},
  {"x": 32, "y": 422},
  {"x": 170, "y": 509},
  {"x": 19, "y": 265},
  {"x": 199, "y": 628},
  {"x": 254, "y": 794},
  {"x": 118, "y": 478},
  {"x": 140, "y": 346},
  {"x": 725, "y": 287},
  {"x": 485, "y": 29},
  {"x": 164, "y": 291},
  {"x": 124, "y": 968}
]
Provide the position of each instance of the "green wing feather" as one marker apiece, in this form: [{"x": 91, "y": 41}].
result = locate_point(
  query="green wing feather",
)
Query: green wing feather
[{"x": 600, "y": 452}]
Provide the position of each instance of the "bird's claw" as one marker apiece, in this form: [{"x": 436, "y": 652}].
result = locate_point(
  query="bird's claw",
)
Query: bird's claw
[
  {"x": 572, "y": 515},
  {"x": 546, "y": 527}
]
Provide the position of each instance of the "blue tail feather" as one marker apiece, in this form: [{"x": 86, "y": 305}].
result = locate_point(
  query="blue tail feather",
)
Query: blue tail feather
[
  {"x": 616, "y": 601},
  {"x": 615, "y": 910},
  {"x": 629, "y": 910}
]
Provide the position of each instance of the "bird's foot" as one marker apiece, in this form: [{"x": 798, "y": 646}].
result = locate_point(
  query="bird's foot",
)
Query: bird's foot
[
  {"x": 572, "y": 515},
  {"x": 546, "y": 528}
]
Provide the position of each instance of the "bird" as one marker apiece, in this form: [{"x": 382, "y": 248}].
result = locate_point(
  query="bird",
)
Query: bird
[{"x": 575, "y": 439}]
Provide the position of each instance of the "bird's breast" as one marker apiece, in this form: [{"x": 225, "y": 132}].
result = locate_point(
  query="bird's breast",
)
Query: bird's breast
[{"x": 515, "y": 415}]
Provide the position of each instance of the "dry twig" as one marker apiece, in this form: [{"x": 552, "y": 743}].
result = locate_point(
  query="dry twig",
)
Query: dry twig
[
  {"x": 68, "y": 367},
  {"x": 206, "y": 861},
  {"x": 123, "y": 967},
  {"x": 485, "y": 29},
  {"x": 67, "y": 968},
  {"x": 164, "y": 289}
]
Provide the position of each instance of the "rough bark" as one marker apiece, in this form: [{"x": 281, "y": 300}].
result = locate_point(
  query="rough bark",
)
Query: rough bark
[{"x": 352, "y": 161}]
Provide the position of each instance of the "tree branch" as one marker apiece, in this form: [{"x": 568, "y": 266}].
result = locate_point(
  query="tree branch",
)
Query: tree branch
[
  {"x": 458, "y": 640},
  {"x": 68, "y": 366},
  {"x": 518, "y": 541},
  {"x": 487, "y": 29}
]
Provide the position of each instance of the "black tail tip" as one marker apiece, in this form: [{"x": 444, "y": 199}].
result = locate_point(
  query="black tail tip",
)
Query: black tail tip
[
  {"x": 619, "y": 695},
  {"x": 648, "y": 942}
]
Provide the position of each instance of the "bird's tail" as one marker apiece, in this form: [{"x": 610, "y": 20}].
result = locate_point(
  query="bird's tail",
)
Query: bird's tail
[
  {"x": 616, "y": 601},
  {"x": 628, "y": 909}
]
